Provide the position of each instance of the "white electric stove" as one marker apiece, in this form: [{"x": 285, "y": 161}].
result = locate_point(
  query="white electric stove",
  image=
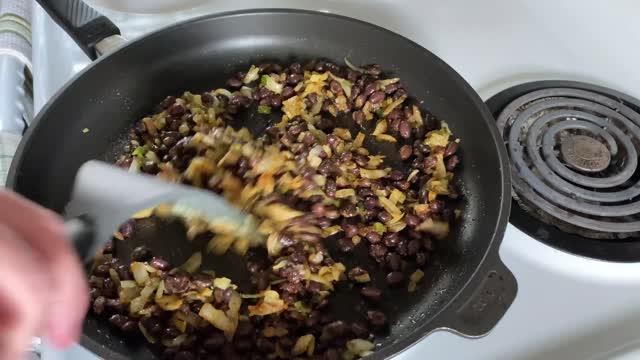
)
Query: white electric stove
[{"x": 568, "y": 306}]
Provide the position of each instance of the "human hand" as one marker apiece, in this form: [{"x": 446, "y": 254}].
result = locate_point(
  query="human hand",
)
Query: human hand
[{"x": 43, "y": 289}]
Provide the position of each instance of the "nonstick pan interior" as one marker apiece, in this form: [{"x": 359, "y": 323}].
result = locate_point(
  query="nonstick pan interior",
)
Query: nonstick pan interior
[{"x": 200, "y": 55}]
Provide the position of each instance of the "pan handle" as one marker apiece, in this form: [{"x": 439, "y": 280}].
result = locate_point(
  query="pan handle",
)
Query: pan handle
[
  {"x": 85, "y": 25},
  {"x": 485, "y": 300}
]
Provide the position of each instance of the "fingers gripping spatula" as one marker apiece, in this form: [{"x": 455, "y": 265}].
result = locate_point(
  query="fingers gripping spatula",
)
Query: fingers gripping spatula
[{"x": 105, "y": 196}]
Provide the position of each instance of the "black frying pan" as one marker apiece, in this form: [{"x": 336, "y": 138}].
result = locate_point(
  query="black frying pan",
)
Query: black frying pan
[{"x": 469, "y": 288}]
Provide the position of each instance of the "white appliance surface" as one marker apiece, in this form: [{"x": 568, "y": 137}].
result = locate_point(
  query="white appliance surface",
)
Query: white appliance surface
[{"x": 567, "y": 307}]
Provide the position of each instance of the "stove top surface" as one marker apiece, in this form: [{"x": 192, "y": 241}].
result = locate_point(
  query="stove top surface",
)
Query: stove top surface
[{"x": 568, "y": 306}]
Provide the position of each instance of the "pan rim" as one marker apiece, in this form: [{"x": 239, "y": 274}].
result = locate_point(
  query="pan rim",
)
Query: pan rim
[{"x": 503, "y": 212}]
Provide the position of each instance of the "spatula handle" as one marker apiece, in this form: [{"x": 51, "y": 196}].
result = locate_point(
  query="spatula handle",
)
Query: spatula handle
[{"x": 80, "y": 232}]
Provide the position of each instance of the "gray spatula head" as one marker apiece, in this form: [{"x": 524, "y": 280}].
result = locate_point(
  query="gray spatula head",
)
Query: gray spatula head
[{"x": 105, "y": 196}]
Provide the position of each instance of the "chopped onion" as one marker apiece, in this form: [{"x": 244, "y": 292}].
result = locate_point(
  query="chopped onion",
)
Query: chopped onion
[
  {"x": 438, "y": 137},
  {"x": 414, "y": 279},
  {"x": 344, "y": 83},
  {"x": 381, "y": 128},
  {"x": 345, "y": 193},
  {"x": 387, "y": 110},
  {"x": 351, "y": 66},
  {"x": 264, "y": 109},
  {"x": 217, "y": 318},
  {"x": 359, "y": 346},
  {"x": 252, "y": 75},
  {"x": 145, "y": 333},
  {"x": 373, "y": 174},
  {"x": 140, "y": 273},
  {"x": 389, "y": 206},
  {"x": 397, "y": 196},
  {"x": 222, "y": 283},
  {"x": 271, "y": 84},
  {"x": 359, "y": 140},
  {"x": 193, "y": 263},
  {"x": 305, "y": 343},
  {"x": 169, "y": 302},
  {"x": 175, "y": 342},
  {"x": 439, "y": 229},
  {"x": 270, "y": 304},
  {"x": 331, "y": 230},
  {"x": 224, "y": 92},
  {"x": 386, "y": 137}
]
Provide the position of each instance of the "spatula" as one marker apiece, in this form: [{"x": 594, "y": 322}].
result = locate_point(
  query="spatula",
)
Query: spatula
[{"x": 105, "y": 196}]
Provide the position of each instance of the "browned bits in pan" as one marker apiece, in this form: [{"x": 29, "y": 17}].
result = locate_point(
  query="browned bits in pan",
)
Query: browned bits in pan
[{"x": 321, "y": 194}]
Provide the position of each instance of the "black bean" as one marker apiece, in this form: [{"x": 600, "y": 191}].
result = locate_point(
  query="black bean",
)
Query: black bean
[
  {"x": 335, "y": 87},
  {"x": 265, "y": 345},
  {"x": 332, "y": 213},
  {"x": 430, "y": 161},
  {"x": 294, "y": 79},
  {"x": 377, "y": 97},
  {"x": 130, "y": 326},
  {"x": 358, "y": 117},
  {"x": 436, "y": 206},
  {"x": 370, "y": 203},
  {"x": 295, "y": 68},
  {"x": 428, "y": 244},
  {"x": 309, "y": 139},
  {"x": 207, "y": 98},
  {"x": 324, "y": 223},
  {"x": 360, "y": 329},
  {"x": 261, "y": 93},
  {"x": 350, "y": 230},
  {"x": 391, "y": 239},
  {"x": 331, "y": 354},
  {"x": 346, "y": 245},
  {"x": 369, "y": 89},
  {"x": 384, "y": 216},
  {"x": 170, "y": 332},
  {"x": 359, "y": 103},
  {"x": 102, "y": 270},
  {"x": 405, "y": 152},
  {"x": 413, "y": 247},
  {"x": 287, "y": 92},
  {"x": 451, "y": 149},
  {"x": 141, "y": 253},
  {"x": 404, "y": 129},
  {"x": 152, "y": 325},
  {"x": 118, "y": 320},
  {"x": 348, "y": 210},
  {"x": 411, "y": 220},
  {"x": 234, "y": 83},
  {"x": 452, "y": 162},
  {"x": 177, "y": 110},
  {"x": 365, "y": 192},
  {"x": 395, "y": 278},
  {"x": 371, "y": 293},
  {"x": 201, "y": 281},
  {"x": 160, "y": 264},
  {"x": 422, "y": 258},
  {"x": 394, "y": 261},
  {"x": 373, "y": 237},
  {"x": 401, "y": 248},
  {"x": 168, "y": 101},
  {"x": 124, "y": 272},
  {"x": 378, "y": 251},
  {"x": 391, "y": 88},
  {"x": 402, "y": 185},
  {"x": 336, "y": 329},
  {"x": 376, "y": 318},
  {"x": 109, "y": 289},
  {"x": 330, "y": 187},
  {"x": 99, "y": 304},
  {"x": 318, "y": 209},
  {"x": 177, "y": 283},
  {"x": 396, "y": 175}
]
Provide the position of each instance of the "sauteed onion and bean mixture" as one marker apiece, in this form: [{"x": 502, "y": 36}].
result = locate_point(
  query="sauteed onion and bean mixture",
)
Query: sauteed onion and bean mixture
[{"x": 309, "y": 183}]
